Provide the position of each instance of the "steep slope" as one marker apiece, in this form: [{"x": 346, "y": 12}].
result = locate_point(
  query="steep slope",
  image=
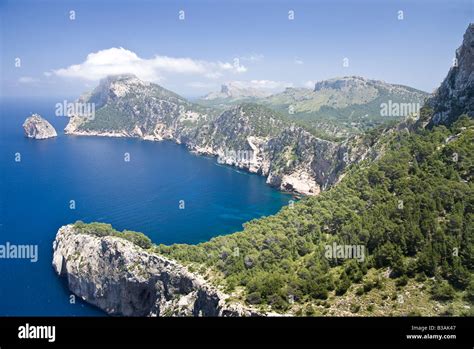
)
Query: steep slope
[
  {"x": 408, "y": 211},
  {"x": 124, "y": 279},
  {"x": 394, "y": 237},
  {"x": 455, "y": 96},
  {"x": 127, "y": 106},
  {"x": 406, "y": 218},
  {"x": 248, "y": 136},
  {"x": 38, "y": 128},
  {"x": 402, "y": 227},
  {"x": 261, "y": 141}
]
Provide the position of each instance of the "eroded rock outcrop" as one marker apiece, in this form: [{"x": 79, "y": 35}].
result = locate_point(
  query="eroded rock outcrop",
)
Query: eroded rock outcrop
[
  {"x": 38, "y": 128},
  {"x": 125, "y": 280},
  {"x": 455, "y": 96}
]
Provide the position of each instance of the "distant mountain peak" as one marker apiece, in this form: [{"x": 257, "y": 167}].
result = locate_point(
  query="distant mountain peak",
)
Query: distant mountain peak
[
  {"x": 235, "y": 89},
  {"x": 343, "y": 83},
  {"x": 129, "y": 79},
  {"x": 117, "y": 86},
  {"x": 353, "y": 81},
  {"x": 125, "y": 76}
]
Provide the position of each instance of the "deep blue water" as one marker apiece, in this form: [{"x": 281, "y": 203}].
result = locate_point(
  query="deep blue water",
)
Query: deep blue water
[{"x": 141, "y": 195}]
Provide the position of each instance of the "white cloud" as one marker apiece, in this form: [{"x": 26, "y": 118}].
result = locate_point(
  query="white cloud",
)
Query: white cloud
[
  {"x": 114, "y": 61},
  {"x": 309, "y": 84},
  {"x": 27, "y": 80},
  {"x": 298, "y": 61},
  {"x": 266, "y": 86}
]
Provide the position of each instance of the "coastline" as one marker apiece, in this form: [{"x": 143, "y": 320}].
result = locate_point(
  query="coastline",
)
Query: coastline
[{"x": 312, "y": 188}]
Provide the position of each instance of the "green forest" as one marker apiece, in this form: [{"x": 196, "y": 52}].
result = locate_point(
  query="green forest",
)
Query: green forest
[{"x": 411, "y": 210}]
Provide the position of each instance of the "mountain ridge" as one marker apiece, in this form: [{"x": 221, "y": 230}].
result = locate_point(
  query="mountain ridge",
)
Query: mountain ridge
[
  {"x": 410, "y": 211},
  {"x": 132, "y": 108},
  {"x": 337, "y": 107}
]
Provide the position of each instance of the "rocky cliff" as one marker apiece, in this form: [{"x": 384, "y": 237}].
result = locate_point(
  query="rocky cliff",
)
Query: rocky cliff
[
  {"x": 125, "y": 280},
  {"x": 129, "y": 107},
  {"x": 455, "y": 96},
  {"x": 38, "y": 128},
  {"x": 248, "y": 136}
]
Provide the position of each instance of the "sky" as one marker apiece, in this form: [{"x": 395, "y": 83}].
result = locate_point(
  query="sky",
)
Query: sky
[{"x": 192, "y": 47}]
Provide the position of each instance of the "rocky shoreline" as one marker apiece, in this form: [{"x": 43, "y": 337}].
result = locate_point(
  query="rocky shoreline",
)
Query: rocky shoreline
[
  {"x": 288, "y": 156},
  {"x": 299, "y": 182},
  {"x": 321, "y": 165},
  {"x": 123, "y": 279}
]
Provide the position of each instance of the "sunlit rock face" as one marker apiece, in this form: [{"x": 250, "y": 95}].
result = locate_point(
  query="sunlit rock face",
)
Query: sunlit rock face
[
  {"x": 455, "y": 96},
  {"x": 123, "y": 279},
  {"x": 38, "y": 128}
]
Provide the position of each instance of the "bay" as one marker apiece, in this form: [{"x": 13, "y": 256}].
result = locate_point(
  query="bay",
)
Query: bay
[{"x": 90, "y": 174}]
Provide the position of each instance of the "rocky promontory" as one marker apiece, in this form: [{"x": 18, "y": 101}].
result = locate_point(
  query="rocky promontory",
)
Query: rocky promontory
[
  {"x": 455, "y": 95},
  {"x": 124, "y": 279},
  {"x": 38, "y": 128},
  {"x": 248, "y": 136}
]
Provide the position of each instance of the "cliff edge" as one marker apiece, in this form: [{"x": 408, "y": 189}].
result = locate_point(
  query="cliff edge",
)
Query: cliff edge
[
  {"x": 123, "y": 279},
  {"x": 455, "y": 96}
]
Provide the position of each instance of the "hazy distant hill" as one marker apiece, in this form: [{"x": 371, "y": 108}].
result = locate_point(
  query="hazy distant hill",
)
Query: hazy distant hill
[
  {"x": 337, "y": 107},
  {"x": 233, "y": 92}
]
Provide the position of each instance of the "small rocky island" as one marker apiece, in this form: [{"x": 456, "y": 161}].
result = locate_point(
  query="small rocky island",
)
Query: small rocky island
[{"x": 38, "y": 128}]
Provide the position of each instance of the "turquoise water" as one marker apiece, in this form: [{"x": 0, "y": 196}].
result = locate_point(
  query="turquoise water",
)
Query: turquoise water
[{"x": 143, "y": 194}]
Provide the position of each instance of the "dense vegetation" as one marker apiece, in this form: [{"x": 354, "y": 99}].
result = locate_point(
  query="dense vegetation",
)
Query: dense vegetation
[
  {"x": 412, "y": 210},
  {"x": 232, "y": 128},
  {"x": 103, "y": 229},
  {"x": 352, "y": 119}
]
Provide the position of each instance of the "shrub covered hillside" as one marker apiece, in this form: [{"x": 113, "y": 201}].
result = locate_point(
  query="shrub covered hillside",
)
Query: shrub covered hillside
[
  {"x": 410, "y": 214},
  {"x": 104, "y": 229}
]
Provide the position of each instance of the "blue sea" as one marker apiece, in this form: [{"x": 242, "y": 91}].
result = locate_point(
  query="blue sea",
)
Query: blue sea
[{"x": 143, "y": 194}]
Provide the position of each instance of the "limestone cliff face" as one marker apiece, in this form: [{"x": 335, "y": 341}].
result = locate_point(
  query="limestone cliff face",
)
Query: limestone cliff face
[
  {"x": 301, "y": 162},
  {"x": 248, "y": 136},
  {"x": 253, "y": 138},
  {"x": 124, "y": 280},
  {"x": 38, "y": 128},
  {"x": 455, "y": 96}
]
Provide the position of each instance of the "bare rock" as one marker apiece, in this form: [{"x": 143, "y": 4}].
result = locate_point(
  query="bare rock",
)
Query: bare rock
[
  {"x": 125, "y": 280},
  {"x": 38, "y": 128}
]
